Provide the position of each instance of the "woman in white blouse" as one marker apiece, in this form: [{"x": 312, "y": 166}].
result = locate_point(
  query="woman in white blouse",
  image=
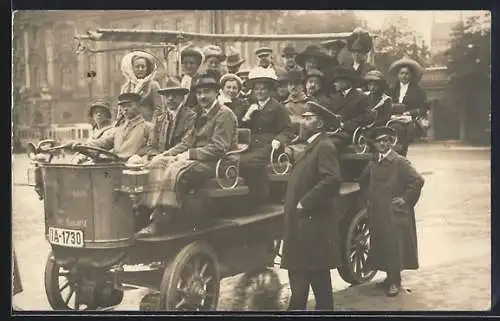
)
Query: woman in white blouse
[{"x": 408, "y": 92}]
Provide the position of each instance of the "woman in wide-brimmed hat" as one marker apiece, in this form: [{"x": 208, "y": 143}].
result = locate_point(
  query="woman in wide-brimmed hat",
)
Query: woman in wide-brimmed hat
[
  {"x": 407, "y": 91},
  {"x": 100, "y": 118},
  {"x": 214, "y": 56},
  {"x": 313, "y": 58},
  {"x": 140, "y": 69},
  {"x": 378, "y": 101},
  {"x": 269, "y": 124}
]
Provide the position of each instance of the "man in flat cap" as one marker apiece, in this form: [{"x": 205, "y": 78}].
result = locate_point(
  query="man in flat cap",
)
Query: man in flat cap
[
  {"x": 192, "y": 161},
  {"x": 265, "y": 59},
  {"x": 392, "y": 188},
  {"x": 132, "y": 135},
  {"x": 310, "y": 248}
]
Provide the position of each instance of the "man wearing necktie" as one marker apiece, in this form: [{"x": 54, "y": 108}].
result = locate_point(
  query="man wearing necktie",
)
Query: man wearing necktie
[
  {"x": 176, "y": 123},
  {"x": 392, "y": 188},
  {"x": 193, "y": 161},
  {"x": 311, "y": 245}
]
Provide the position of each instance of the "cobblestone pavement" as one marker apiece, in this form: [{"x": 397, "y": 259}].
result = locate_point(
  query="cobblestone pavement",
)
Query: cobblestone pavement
[{"x": 453, "y": 226}]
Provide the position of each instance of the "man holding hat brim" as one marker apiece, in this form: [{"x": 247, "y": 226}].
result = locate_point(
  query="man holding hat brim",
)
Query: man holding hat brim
[
  {"x": 131, "y": 136},
  {"x": 407, "y": 91},
  {"x": 192, "y": 161},
  {"x": 359, "y": 43},
  {"x": 289, "y": 55},
  {"x": 100, "y": 115},
  {"x": 392, "y": 188},
  {"x": 175, "y": 124},
  {"x": 313, "y": 58},
  {"x": 269, "y": 124},
  {"x": 296, "y": 102},
  {"x": 310, "y": 249},
  {"x": 350, "y": 104},
  {"x": 379, "y": 102}
]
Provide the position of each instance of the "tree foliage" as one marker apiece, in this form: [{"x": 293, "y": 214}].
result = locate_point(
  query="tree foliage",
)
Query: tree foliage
[
  {"x": 470, "y": 50},
  {"x": 397, "y": 39}
]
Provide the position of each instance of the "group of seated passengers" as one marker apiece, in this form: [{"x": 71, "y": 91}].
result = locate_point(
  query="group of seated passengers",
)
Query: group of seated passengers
[{"x": 182, "y": 145}]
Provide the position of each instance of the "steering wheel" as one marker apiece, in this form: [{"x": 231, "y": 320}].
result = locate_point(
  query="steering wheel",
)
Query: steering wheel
[{"x": 96, "y": 153}]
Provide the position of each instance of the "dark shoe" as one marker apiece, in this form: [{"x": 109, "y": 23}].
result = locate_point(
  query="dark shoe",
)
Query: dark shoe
[
  {"x": 393, "y": 290},
  {"x": 382, "y": 285},
  {"x": 149, "y": 230}
]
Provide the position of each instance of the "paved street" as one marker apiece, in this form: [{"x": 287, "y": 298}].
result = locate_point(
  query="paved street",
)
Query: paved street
[{"x": 453, "y": 226}]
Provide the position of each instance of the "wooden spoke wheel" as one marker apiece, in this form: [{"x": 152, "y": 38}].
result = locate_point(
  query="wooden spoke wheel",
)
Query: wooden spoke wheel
[
  {"x": 192, "y": 281},
  {"x": 62, "y": 286},
  {"x": 354, "y": 268},
  {"x": 257, "y": 290}
]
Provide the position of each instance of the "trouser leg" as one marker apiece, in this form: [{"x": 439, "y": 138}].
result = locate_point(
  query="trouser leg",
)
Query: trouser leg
[
  {"x": 321, "y": 284},
  {"x": 394, "y": 277},
  {"x": 299, "y": 285},
  {"x": 257, "y": 180}
]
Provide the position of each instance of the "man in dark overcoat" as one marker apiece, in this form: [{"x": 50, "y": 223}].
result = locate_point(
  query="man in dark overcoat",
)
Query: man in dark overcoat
[
  {"x": 311, "y": 244},
  {"x": 350, "y": 104},
  {"x": 392, "y": 187}
]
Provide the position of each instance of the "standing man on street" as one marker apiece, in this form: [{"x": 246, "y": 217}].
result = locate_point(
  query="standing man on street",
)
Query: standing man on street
[
  {"x": 392, "y": 188},
  {"x": 310, "y": 243}
]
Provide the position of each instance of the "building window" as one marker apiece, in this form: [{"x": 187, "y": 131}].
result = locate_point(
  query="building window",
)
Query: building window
[
  {"x": 67, "y": 115},
  {"x": 37, "y": 118},
  {"x": 67, "y": 77}
]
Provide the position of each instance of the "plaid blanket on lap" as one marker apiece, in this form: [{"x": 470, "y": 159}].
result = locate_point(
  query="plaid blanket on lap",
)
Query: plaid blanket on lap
[{"x": 163, "y": 180}]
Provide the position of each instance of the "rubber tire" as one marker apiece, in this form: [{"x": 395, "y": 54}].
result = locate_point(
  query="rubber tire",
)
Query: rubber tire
[
  {"x": 173, "y": 270},
  {"x": 51, "y": 281},
  {"x": 344, "y": 269}
]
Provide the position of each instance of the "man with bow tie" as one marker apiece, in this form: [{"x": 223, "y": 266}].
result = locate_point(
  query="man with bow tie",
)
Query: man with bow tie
[
  {"x": 392, "y": 188},
  {"x": 350, "y": 104},
  {"x": 193, "y": 160},
  {"x": 311, "y": 246}
]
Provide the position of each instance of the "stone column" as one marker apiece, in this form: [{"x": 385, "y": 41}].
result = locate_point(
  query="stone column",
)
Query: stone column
[
  {"x": 27, "y": 58},
  {"x": 49, "y": 54}
]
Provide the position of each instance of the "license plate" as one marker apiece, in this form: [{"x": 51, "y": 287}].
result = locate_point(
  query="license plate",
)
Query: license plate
[{"x": 65, "y": 237}]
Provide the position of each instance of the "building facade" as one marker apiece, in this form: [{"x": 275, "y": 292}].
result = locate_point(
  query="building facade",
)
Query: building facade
[{"x": 50, "y": 80}]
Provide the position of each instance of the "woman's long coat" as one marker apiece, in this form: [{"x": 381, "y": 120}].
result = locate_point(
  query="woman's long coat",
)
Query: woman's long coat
[
  {"x": 272, "y": 122},
  {"x": 392, "y": 228},
  {"x": 310, "y": 240}
]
